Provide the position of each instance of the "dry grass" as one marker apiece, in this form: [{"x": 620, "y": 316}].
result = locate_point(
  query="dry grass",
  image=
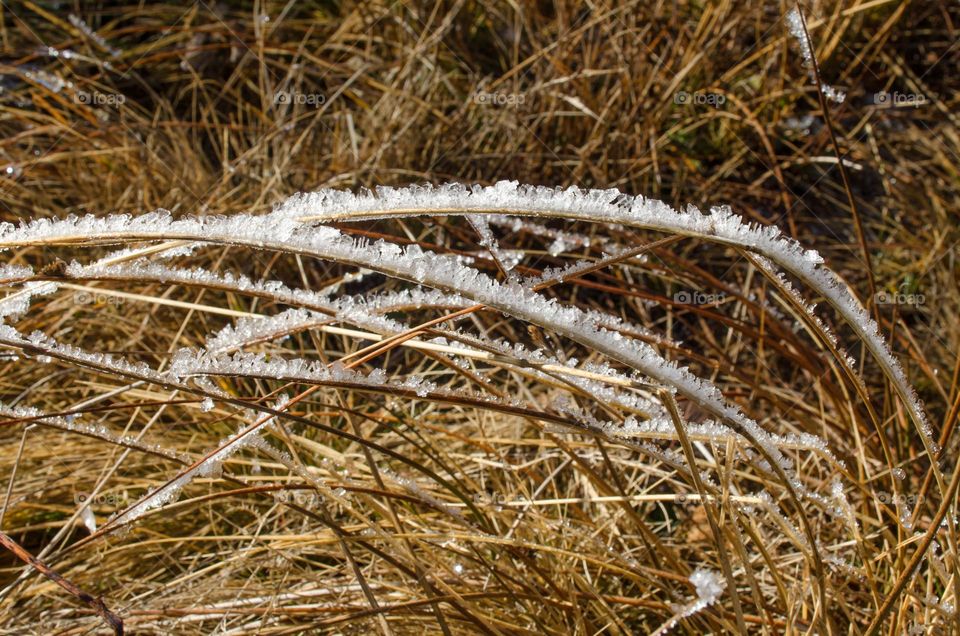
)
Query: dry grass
[{"x": 402, "y": 513}]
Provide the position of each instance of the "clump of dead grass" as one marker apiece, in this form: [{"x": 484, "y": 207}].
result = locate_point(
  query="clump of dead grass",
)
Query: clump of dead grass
[{"x": 401, "y": 512}]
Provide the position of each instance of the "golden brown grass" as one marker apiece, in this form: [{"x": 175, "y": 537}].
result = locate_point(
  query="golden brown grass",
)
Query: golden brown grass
[{"x": 402, "y": 513}]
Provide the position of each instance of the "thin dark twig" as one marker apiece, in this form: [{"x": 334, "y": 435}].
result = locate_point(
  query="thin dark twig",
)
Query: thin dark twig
[{"x": 96, "y": 604}]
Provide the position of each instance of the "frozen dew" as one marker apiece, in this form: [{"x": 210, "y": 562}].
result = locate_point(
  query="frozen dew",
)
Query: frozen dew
[
  {"x": 278, "y": 230},
  {"x": 10, "y": 272},
  {"x": 452, "y": 282},
  {"x": 89, "y": 519},
  {"x": 833, "y": 94},
  {"x": 905, "y": 514},
  {"x": 708, "y": 588},
  {"x": 795, "y": 24},
  {"x": 447, "y": 273},
  {"x": 85, "y": 28},
  {"x": 50, "y": 81},
  {"x": 73, "y": 424},
  {"x": 558, "y": 247}
]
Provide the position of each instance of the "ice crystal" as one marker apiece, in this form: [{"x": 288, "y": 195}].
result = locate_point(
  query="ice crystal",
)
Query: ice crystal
[{"x": 795, "y": 24}]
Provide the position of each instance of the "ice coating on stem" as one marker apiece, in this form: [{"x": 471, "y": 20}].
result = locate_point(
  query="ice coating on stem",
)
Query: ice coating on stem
[
  {"x": 70, "y": 424},
  {"x": 16, "y": 304},
  {"x": 279, "y": 228},
  {"x": 210, "y": 466},
  {"x": 489, "y": 241},
  {"x": 607, "y": 206},
  {"x": 562, "y": 240},
  {"x": 438, "y": 271},
  {"x": 188, "y": 363},
  {"x": 357, "y": 310},
  {"x": 248, "y": 330},
  {"x": 78, "y": 22},
  {"x": 283, "y": 228},
  {"x": 9, "y": 272},
  {"x": 795, "y": 24}
]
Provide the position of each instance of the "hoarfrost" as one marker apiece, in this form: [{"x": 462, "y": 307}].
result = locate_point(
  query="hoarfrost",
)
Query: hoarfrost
[
  {"x": 795, "y": 24},
  {"x": 709, "y": 587}
]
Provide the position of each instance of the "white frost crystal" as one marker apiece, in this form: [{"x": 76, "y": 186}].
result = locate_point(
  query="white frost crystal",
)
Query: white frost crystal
[
  {"x": 438, "y": 281},
  {"x": 795, "y": 25},
  {"x": 709, "y": 587},
  {"x": 283, "y": 229}
]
